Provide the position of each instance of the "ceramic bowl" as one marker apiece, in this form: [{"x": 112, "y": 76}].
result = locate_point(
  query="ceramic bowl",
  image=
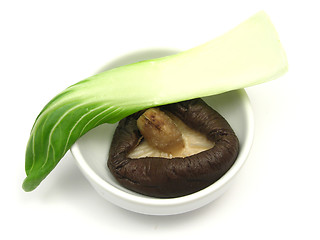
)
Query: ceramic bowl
[{"x": 91, "y": 152}]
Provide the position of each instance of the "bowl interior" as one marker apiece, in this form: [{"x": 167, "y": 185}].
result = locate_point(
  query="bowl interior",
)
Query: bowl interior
[{"x": 91, "y": 150}]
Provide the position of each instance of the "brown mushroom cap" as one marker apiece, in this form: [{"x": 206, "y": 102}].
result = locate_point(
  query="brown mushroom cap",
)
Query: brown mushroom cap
[{"x": 166, "y": 178}]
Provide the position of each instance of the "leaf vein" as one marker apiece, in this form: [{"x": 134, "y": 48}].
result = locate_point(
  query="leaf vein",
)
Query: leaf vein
[
  {"x": 83, "y": 116},
  {"x": 54, "y": 128},
  {"x": 93, "y": 119}
]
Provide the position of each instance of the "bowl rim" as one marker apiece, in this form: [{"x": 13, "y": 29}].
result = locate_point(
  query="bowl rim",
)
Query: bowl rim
[{"x": 166, "y": 202}]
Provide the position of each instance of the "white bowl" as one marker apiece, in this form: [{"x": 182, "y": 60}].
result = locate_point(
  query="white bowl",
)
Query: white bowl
[{"x": 91, "y": 153}]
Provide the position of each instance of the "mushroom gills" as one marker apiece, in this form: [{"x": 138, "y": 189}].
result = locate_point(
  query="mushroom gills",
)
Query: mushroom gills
[{"x": 194, "y": 142}]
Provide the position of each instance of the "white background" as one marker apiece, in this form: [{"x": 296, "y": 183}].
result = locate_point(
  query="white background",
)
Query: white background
[{"x": 45, "y": 46}]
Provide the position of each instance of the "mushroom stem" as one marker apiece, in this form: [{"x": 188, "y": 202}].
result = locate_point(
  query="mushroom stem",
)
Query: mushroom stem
[{"x": 160, "y": 131}]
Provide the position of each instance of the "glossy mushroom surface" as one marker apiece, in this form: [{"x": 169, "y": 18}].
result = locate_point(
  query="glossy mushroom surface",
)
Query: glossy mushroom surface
[{"x": 178, "y": 176}]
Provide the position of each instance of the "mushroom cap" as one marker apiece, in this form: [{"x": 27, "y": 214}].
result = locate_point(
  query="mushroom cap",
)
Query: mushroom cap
[{"x": 179, "y": 176}]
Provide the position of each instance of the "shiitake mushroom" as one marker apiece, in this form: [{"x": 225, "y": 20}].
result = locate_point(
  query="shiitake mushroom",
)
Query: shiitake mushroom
[{"x": 167, "y": 177}]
